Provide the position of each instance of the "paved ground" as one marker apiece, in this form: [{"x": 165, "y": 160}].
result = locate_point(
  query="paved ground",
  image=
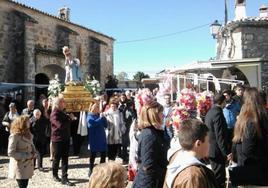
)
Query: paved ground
[{"x": 77, "y": 173}]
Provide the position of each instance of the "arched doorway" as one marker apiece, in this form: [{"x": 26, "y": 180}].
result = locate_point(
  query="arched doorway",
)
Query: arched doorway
[
  {"x": 53, "y": 69},
  {"x": 239, "y": 75},
  {"x": 41, "y": 78},
  {"x": 233, "y": 73}
]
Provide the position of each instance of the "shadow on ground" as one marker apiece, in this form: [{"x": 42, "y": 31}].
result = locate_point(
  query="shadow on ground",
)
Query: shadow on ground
[
  {"x": 2, "y": 178},
  {"x": 78, "y": 181},
  {"x": 2, "y": 161},
  {"x": 78, "y": 166}
]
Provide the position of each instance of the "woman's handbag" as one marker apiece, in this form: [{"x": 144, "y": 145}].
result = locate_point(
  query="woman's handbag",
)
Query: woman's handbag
[{"x": 246, "y": 175}]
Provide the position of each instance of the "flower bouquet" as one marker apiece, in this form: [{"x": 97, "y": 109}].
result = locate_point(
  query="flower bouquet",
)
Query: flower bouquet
[
  {"x": 93, "y": 86},
  {"x": 178, "y": 115},
  {"x": 187, "y": 99},
  {"x": 55, "y": 87},
  {"x": 143, "y": 97},
  {"x": 204, "y": 103}
]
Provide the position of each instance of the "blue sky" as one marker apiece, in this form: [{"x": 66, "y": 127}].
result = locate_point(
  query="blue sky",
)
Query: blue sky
[{"x": 128, "y": 20}]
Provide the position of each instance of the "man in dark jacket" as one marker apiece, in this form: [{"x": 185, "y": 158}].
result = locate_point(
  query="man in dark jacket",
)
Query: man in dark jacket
[
  {"x": 60, "y": 137},
  {"x": 128, "y": 116},
  {"x": 19, "y": 102},
  {"x": 38, "y": 129},
  {"x": 218, "y": 139},
  {"x": 239, "y": 91},
  {"x": 30, "y": 108}
]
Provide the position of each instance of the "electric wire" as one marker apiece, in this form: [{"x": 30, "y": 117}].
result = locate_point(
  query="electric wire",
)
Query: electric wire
[{"x": 164, "y": 35}]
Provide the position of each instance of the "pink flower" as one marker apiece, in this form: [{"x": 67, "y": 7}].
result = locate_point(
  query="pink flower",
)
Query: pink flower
[
  {"x": 143, "y": 97},
  {"x": 187, "y": 99},
  {"x": 178, "y": 115},
  {"x": 147, "y": 96}
]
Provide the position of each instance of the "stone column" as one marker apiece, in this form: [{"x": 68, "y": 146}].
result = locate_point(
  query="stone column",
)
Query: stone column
[
  {"x": 29, "y": 58},
  {"x": 103, "y": 59},
  {"x": 4, "y": 48},
  {"x": 106, "y": 62}
]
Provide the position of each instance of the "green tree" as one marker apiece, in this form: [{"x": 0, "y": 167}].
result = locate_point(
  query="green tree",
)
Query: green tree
[
  {"x": 111, "y": 81},
  {"x": 140, "y": 75},
  {"x": 122, "y": 76}
]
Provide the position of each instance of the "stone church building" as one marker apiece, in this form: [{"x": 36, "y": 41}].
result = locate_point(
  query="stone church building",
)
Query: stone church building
[{"x": 31, "y": 44}]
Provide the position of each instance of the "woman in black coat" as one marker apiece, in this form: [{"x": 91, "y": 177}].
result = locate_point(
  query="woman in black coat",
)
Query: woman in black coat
[
  {"x": 250, "y": 137},
  {"x": 152, "y": 149}
]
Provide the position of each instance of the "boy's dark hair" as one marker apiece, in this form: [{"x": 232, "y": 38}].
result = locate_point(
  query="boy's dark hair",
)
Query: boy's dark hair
[
  {"x": 190, "y": 131},
  {"x": 219, "y": 98},
  {"x": 228, "y": 91}
]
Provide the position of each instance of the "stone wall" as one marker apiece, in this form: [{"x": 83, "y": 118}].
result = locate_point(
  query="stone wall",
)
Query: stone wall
[
  {"x": 255, "y": 42},
  {"x": 11, "y": 46},
  {"x": 255, "y": 45},
  {"x": 250, "y": 41},
  {"x": 264, "y": 76},
  {"x": 31, "y": 42}
]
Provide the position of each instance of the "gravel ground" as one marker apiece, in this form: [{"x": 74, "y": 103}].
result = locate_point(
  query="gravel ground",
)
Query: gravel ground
[{"x": 77, "y": 173}]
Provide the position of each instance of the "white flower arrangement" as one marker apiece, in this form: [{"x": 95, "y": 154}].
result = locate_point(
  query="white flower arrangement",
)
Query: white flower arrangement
[
  {"x": 55, "y": 87},
  {"x": 93, "y": 86}
]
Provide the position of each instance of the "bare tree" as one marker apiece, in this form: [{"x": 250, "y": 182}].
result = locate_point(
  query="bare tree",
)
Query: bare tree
[{"x": 122, "y": 76}]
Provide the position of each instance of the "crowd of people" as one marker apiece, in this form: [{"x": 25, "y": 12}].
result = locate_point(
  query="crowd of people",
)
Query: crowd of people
[{"x": 164, "y": 143}]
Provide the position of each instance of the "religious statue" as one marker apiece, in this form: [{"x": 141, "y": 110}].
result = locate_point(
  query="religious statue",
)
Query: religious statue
[{"x": 73, "y": 74}]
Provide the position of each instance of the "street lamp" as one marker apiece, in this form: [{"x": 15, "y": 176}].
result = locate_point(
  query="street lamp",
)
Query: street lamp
[{"x": 215, "y": 28}]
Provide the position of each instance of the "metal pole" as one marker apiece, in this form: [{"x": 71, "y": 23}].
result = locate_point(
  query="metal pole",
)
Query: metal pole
[
  {"x": 171, "y": 88},
  {"x": 225, "y": 12},
  {"x": 178, "y": 84}
]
